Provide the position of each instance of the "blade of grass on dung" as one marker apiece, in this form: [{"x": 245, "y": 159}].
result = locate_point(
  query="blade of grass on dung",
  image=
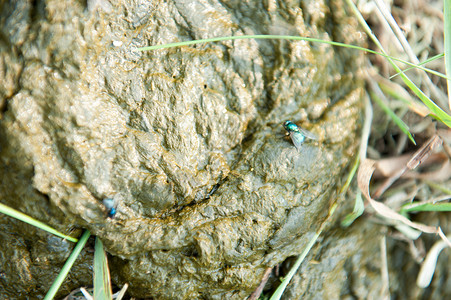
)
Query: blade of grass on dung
[
  {"x": 67, "y": 266},
  {"x": 280, "y": 37},
  {"x": 284, "y": 37},
  {"x": 281, "y": 288},
  {"x": 27, "y": 219},
  {"x": 256, "y": 37},
  {"x": 447, "y": 42},
  {"x": 437, "y": 112},
  {"x": 102, "y": 282}
]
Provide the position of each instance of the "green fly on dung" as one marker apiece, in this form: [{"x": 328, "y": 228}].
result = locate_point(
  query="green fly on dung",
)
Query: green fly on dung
[
  {"x": 298, "y": 134},
  {"x": 111, "y": 207}
]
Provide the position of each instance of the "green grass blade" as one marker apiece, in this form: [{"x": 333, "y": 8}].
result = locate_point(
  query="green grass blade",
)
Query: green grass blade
[
  {"x": 400, "y": 123},
  {"x": 67, "y": 266},
  {"x": 27, "y": 219},
  {"x": 299, "y": 38},
  {"x": 435, "y": 109},
  {"x": 102, "y": 282},
  {"x": 438, "y": 56},
  {"x": 439, "y": 187},
  {"x": 351, "y": 174},
  {"x": 413, "y": 207},
  {"x": 392, "y": 92},
  {"x": 257, "y": 37},
  {"x": 358, "y": 210},
  {"x": 447, "y": 38},
  {"x": 282, "y": 37},
  {"x": 437, "y": 112},
  {"x": 281, "y": 288}
]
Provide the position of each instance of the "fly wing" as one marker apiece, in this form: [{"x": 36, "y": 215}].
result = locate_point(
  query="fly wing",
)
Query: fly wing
[
  {"x": 109, "y": 203},
  {"x": 308, "y": 134},
  {"x": 111, "y": 206},
  {"x": 298, "y": 139}
]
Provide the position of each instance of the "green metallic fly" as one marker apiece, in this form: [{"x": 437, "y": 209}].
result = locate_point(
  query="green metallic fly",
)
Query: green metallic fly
[
  {"x": 298, "y": 134},
  {"x": 111, "y": 207}
]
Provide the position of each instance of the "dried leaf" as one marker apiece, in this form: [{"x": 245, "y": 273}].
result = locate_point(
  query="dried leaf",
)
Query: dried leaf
[
  {"x": 441, "y": 174},
  {"x": 363, "y": 179},
  {"x": 418, "y": 157},
  {"x": 388, "y": 166},
  {"x": 423, "y": 153}
]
